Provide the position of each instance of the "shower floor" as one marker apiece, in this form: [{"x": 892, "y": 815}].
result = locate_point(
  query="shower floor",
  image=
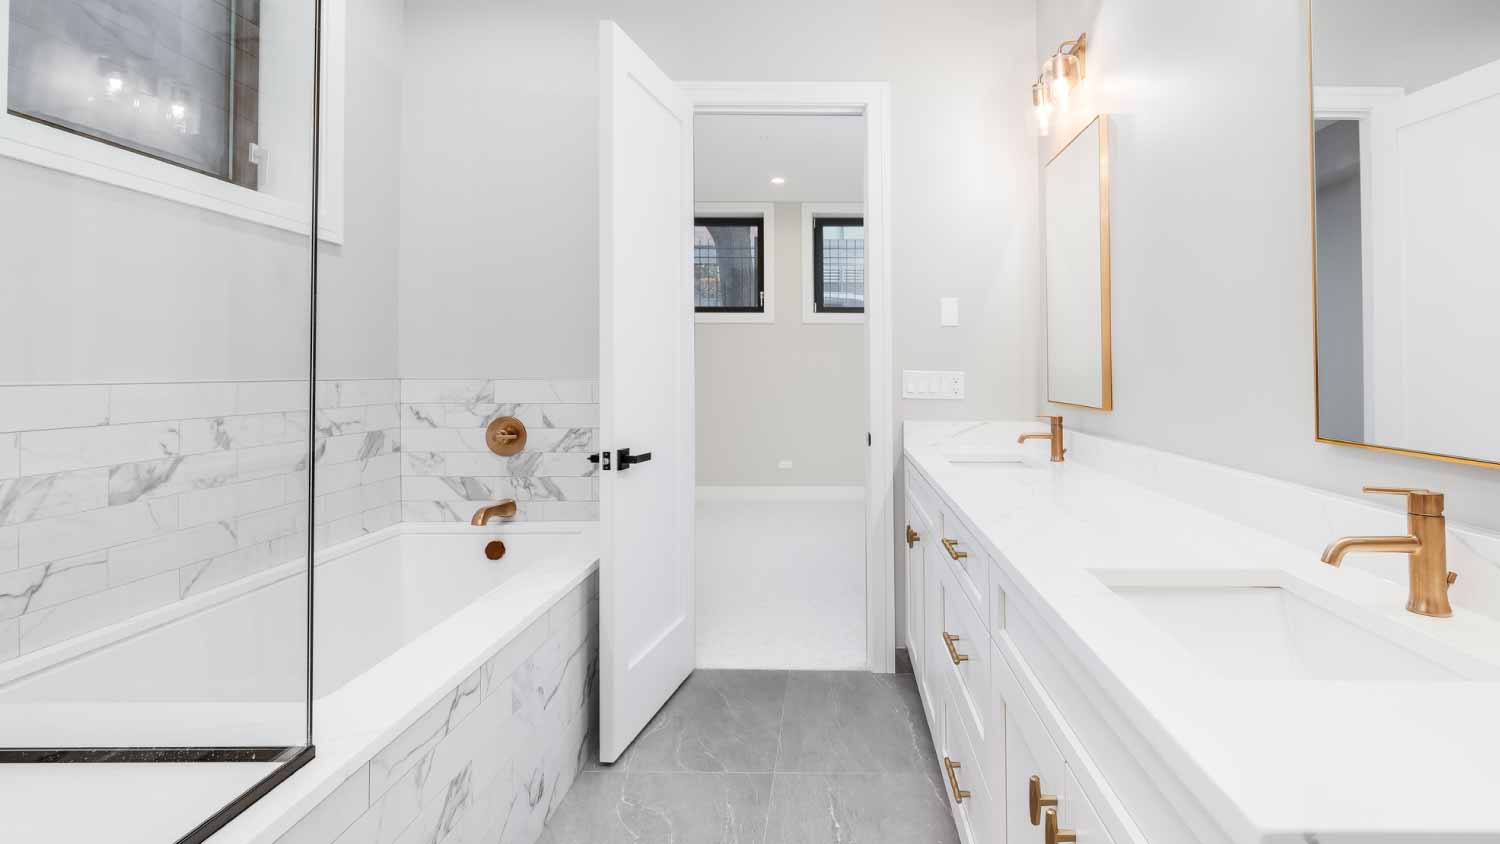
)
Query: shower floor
[{"x": 124, "y": 803}]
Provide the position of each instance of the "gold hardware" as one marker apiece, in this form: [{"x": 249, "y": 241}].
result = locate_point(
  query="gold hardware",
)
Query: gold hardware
[
  {"x": 1038, "y": 800},
  {"x": 1055, "y": 435},
  {"x": 495, "y": 550},
  {"x": 958, "y": 793},
  {"x": 952, "y": 651},
  {"x": 1054, "y": 835},
  {"x": 505, "y": 509},
  {"x": 1426, "y": 547},
  {"x": 912, "y": 537},
  {"x": 505, "y": 435},
  {"x": 952, "y": 546}
]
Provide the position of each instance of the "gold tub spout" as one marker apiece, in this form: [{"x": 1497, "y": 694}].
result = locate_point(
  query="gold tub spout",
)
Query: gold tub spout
[{"x": 505, "y": 509}]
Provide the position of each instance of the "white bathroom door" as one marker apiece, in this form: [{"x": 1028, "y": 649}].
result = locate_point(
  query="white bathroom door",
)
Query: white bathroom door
[{"x": 646, "y": 624}]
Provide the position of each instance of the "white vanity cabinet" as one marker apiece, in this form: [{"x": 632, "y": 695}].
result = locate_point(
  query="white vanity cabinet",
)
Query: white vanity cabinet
[{"x": 991, "y": 739}]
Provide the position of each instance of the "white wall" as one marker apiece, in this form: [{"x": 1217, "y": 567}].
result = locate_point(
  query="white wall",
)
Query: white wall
[
  {"x": 1212, "y": 244},
  {"x": 1410, "y": 44},
  {"x": 784, "y": 391}
]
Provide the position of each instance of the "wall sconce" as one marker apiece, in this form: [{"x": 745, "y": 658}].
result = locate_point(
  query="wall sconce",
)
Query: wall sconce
[{"x": 1061, "y": 73}]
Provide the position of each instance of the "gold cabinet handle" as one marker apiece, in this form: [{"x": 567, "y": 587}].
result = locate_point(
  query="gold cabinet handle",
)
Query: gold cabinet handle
[
  {"x": 958, "y": 793},
  {"x": 912, "y": 537},
  {"x": 1055, "y": 835},
  {"x": 1038, "y": 800},
  {"x": 952, "y": 546},
  {"x": 957, "y": 657}
]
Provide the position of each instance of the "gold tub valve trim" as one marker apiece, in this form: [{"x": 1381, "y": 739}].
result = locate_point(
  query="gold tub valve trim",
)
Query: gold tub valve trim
[
  {"x": 505, "y": 436},
  {"x": 958, "y": 793},
  {"x": 1425, "y": 547},
  {"x": 953, "y": 653},
  {"x": 1055, "y": 435},
  {"x": 1037, "y": 800},
  {"x": 504, "y": 510},
  {"x": 1053, "y": 835}
]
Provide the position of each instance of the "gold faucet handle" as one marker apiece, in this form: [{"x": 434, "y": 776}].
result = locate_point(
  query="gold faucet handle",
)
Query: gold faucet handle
[{"x": 1419, "y": 502}]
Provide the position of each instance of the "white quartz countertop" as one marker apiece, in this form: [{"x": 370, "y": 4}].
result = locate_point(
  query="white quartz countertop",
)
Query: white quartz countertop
[{"x": 1284, "y": 759}]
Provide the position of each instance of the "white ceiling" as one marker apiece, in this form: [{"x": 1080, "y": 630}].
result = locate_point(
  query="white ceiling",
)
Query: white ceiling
[{"x": 821, "y": 158}]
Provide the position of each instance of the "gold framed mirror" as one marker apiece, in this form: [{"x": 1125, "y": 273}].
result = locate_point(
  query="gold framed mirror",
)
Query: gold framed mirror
[
  {"x": 1405, "y": 98},
  {"x": 1076, "y": 221}
]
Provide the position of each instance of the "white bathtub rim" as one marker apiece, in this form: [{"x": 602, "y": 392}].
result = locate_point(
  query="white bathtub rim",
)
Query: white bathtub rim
[
  {"x": 68, "y": 650},
  {"x": 386, "y": 688}
]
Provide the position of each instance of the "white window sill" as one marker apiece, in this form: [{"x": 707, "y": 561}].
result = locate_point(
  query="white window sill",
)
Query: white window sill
[
  {"x": 833, "y": 319},
  {"x": 735, "y": 319}
]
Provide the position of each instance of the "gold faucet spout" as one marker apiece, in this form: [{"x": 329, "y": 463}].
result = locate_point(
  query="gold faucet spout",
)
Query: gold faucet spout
[
  {"x": 1334, "y": 554},
  {"x": 1024, "y": 437},
  {"x": 1055, "y": 435},
  {"x": 505, "y": 510}
]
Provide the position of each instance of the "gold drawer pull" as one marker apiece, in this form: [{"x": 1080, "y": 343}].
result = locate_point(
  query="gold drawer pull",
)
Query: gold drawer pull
[
  {"x": 1038, "y": 800},
  {"x": 912, "y": 537},
  {"x": 957, "y": 657},
  {"x": 958, "y": 793},
  {"x": 952, "y": 546},
  {"x": 1055, "y": 835}
]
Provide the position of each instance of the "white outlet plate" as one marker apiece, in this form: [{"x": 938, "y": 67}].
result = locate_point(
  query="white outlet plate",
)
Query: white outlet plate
[{"x": 932, "y": 384}]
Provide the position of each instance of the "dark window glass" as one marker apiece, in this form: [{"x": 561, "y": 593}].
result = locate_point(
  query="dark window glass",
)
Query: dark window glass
[
  {"x": 176, "y": 80},
  {"x": 728, "y": 265},
  {"x": 839, "y": 265}
]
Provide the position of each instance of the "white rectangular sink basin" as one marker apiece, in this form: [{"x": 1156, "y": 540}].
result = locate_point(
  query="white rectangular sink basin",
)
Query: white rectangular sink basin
[
  {"x": 1260, "y": 628},
  {"x": 983, "y": 455}
]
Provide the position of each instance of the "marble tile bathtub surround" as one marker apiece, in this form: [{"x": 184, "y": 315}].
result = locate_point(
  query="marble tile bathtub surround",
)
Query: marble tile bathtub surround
[
  {"x": 117, "y": 499},
  {"x": 447, "y": 472},
  {"x": 493, "y": 759}
]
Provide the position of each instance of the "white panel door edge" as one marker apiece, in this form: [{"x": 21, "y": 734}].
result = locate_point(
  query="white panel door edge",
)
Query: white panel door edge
[{"x": 646, "y": 615}]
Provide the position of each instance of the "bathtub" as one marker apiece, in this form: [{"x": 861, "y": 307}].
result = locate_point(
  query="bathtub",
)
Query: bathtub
[{"x": 414, "y": 625}]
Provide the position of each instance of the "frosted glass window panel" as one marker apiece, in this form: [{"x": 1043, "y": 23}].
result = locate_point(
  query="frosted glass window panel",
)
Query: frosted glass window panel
[
  {"x": 1077, "y": 252},
  {"x": 176, "y": 80}
]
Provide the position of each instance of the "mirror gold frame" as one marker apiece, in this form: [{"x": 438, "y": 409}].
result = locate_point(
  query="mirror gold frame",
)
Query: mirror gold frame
[
  {"x": 1312, "y": 176},
  {"x": 1107, "y": 381}
]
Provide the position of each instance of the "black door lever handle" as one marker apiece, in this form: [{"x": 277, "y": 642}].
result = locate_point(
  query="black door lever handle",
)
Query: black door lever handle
[{"x": 624, "y": 459}]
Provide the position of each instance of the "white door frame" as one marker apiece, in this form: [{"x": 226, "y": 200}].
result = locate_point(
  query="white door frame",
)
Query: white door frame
[{"x": 872, "y": 100}]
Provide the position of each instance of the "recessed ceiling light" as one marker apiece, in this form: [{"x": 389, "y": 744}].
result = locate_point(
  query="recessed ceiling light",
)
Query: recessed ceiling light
[{"x": 778, "y": 180}]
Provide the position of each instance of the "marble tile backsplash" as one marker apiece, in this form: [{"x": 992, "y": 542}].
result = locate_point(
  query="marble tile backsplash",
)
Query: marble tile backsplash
[
  {"x": 448, "y": 473},
  {"x": 121, "y": 498}
]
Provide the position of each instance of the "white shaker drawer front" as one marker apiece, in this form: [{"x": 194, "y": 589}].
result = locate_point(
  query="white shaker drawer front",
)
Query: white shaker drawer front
[
  {"x": 1077, "y": 814},
  {"x": 965, "y": 652},
  {"x": 920, "y": 493},
  {"x": 964, "y": 778},
  {"x": 970, "y": 563},
  {"x": 1034, "y": 771}
]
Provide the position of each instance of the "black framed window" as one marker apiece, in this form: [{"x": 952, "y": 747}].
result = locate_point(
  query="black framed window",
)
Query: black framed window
[
  {"x": 839, "y": 265},
  {"x": 729, "y": 273}
]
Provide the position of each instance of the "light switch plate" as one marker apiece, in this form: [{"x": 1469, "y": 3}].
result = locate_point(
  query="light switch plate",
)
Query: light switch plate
[
  {"x": 950, "y": 311},
  {"x": 931, "y": 384}
]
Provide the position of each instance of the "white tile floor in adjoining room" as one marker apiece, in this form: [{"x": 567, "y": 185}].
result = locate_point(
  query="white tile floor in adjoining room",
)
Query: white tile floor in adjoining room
[{"x": 781, "y": 578}]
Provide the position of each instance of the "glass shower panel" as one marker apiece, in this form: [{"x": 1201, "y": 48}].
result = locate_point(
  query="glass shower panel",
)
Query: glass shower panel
[{"x": 156, "y": 271}]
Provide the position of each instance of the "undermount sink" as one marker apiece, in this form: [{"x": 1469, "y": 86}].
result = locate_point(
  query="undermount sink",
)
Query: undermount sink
[
  {"x": 1256, "y": 628},
  {"x": 981, "y": 455}
]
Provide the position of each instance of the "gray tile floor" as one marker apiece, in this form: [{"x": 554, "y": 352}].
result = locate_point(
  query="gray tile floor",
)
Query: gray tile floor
[{"x": 769, "y": 757}]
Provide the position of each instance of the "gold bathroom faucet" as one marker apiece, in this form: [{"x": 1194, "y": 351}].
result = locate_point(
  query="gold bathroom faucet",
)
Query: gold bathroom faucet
[
  {"x": 1425, "y": 547},
  {"x": 1056, "y": 436},
  {"x": 505, "y": 509}
]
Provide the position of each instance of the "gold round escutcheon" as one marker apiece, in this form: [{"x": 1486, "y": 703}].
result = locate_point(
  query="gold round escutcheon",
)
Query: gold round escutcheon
[{"x": 505, "y": 436}]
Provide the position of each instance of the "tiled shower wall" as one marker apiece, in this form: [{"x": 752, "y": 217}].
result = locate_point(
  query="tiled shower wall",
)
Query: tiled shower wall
[
  {"x": 447, "y": 472},
  {"x": 119, "y": 499}
]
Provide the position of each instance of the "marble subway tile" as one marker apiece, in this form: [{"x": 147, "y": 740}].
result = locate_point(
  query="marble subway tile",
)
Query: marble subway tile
[
  {"x": 380, "y": 493},
  {"x": 334, "y": 421},
  {"x": 170, "y": 476},
  {"x": 423, "y": 462},
  {"x": 251, "y": 559},
  {"x": 45, "y": 452},
  {"x": 10, "y": 548},
  {"x": 280, "y": 459},
  {"x": 172, "y": 551},
  {"x": 458, "y": 488},
  {"x": 533, "y": 415},
  {"x": 225, "y": 503},
  {"x": 47, "y": 496},
  {"x": 499, "y": 668},
  {"x": 226, "y": 433},
  {"x": 38, "y": 587},
  {"x": 384, "y": 467},
  {"x": 336, "y": 813},
  {"x": 411, "y": 748},
  {"x": 270, "y": 396},
  {"x": 267, "y": 525},
  {"x": 436, "y": 511},
  {"x": 10, "y": 639},
  {"x": 360, "y": 393},
  {"x": 548, "y": 391},
  {"x": 161, "y": 402},
  {"x": 338, "y": 505},
  {"x": 55, "y": 539},
  {"x": 100, "y": 609},
  {"x": 424, "y": 416},
  {"x": 10, "y": 456},
  {"x": 46, "y": 407},
  {"x": 362, "y": 447},
  {"x": 379, "y": 417},
  {"x": 447, "y": 391},
  {"x": 444, "y": 439},
  {"x": 381, "y": 517}
]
